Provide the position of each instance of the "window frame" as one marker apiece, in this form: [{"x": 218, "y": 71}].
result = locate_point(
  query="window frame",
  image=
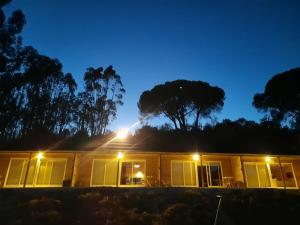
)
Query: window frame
[
  {"x": 257, "y": 173},
  {"x": 8, "y": 170},
  {"x": 294, "y": 176},
  {"x": 120, "y": 173},
  {"x": 270, "y": 174},
  {"x": 196, "y": 173},
  {"x": 36, "y": 173},
  {"x": 208, "y": 174},
  {"x": 92, "y": 172},
  {"x": 50, "y": 185}
]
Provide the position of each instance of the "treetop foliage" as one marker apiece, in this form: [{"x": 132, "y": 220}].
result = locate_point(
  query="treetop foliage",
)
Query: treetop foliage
[
  {"x": 181, "y": 101},
  {"x": 36, "y": 96},
  {"x": 281, "y": 99}
]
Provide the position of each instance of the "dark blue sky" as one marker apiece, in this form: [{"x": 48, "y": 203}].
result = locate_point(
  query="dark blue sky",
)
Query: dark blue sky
[{"x": 236, "y": 45}]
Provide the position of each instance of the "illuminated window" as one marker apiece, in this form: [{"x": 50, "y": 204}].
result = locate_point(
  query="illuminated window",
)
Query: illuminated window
[
  {"x": 44, "y": 173},
  {"x": 51, "y": 172},
  {"x": 16, "y": 172},
  {"x": 289, "y": 176},
  {"x": 267, "y": 175},
  {"x": 276, "y": 177},
  {"x": 183, "y": 173},
  {"x": 132, "y": 173},
  {"x": 257, "y": 175},
  {"x": 104, "y": 172}
]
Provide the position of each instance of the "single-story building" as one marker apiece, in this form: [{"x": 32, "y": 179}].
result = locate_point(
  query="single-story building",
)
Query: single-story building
[{"x": 127, "y": 168}]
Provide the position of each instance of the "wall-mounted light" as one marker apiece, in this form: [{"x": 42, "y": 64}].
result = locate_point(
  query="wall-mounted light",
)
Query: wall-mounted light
[
  {"x": 136, "y": 166},
  {"x": 268, "y": 159},
  {"x": 196, "y": 157},
  {"x": 40, "y": 156},
  {"x": 120, "y": 155}
]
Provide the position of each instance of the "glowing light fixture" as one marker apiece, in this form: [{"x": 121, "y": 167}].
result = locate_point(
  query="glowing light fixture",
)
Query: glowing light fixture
[
  {"x": 122, "y": 134},
  {"x": 268, "y": 159},
  {"x": 40, "y": 156},
  {"x": 137, "y": 166},
  {"x": 120, "y": 155},
  {"x": 196, "y": 157},
  {"x": 139, "y": 174}
]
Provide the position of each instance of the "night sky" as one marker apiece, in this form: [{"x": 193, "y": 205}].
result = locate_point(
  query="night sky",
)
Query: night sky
[{"x": 236, "y": 45}]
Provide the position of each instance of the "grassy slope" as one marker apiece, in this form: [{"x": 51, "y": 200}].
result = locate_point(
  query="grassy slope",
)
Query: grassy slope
[{"x": 147, "y": 206}]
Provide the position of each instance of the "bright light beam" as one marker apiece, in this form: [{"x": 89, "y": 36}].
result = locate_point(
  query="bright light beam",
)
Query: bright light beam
[{"x": 122, "y": 134}]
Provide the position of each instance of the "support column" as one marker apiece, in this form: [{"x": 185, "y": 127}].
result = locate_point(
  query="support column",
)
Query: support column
[
  {"x": 243, "y": 171},
  {"x": 118, "y": 172},
  {"x": 283, "y": 179},
  {"x": 74, "y": 174},
  {"x": 27, "y": 170},
  {"x": 159, "y": 172},
  {"x": 201, "y": 171}
]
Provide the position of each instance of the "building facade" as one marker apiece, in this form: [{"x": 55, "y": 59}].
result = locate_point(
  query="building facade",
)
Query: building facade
[{"x": 29, "y": 169}]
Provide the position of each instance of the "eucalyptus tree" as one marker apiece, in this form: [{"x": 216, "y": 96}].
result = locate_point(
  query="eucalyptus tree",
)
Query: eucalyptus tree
[
  {"x": 36, "y": 95},
  {"x": 10, "y": 70},
  {"x": 181, "y": 101},
  {"x": 97, "y": 104},
  {"x": 47, "y": 93},
  {"x": 34, "y": 92}
]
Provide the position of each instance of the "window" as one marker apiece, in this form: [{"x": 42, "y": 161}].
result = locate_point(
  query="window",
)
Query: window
[
  {"x": 104, "y": 172},
  {"x": 51, "y": 172},
  {"x": 269, "y": 175},
  {"x": 183, "y": 173},
  {"x": 132, "y": 173},
  {"x": 44, "y": 173},
  {"x": 257, "y": 175},
  {"x": 276, "y": 177},
  {"x": 15, "y": 176},
  {"x": 210, "y": 174},
  {"x": 288, "y": 173}
]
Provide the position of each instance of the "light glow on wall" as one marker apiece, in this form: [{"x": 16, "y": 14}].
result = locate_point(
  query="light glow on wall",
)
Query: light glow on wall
[
  {"x": 196, "y": 157},
  {"x": 120, "y": 155},
  {"x": 40, "y": 156}
]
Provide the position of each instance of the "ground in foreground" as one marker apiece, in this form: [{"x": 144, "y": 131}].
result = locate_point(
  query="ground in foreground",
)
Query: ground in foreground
[{"x": 147, "y": 206}]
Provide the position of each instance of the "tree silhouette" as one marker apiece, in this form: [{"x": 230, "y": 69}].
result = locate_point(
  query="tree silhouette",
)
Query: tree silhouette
[
  {"x": 281, "y": 99},
  {"x": 36, "y": 97},
  {"x": 10, "y": 66},
  {"x": 97, "y": 104},
  {"x": 182, "y": 101},
  {"x": 47, "y": 93}
]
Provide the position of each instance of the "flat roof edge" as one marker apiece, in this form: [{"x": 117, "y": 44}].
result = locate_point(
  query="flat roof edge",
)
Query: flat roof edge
[{"x": 145, "y": 152}]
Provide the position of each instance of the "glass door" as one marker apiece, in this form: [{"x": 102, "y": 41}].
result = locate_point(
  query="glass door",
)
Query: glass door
[
  {"x": 132, "y": 173},
  {"x": 257, "y": 175},
  {"x": 210, "y": 174}
]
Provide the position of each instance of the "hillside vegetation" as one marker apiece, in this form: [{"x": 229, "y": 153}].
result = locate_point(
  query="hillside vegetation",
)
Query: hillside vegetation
[{"x": 147, "y": 206}]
